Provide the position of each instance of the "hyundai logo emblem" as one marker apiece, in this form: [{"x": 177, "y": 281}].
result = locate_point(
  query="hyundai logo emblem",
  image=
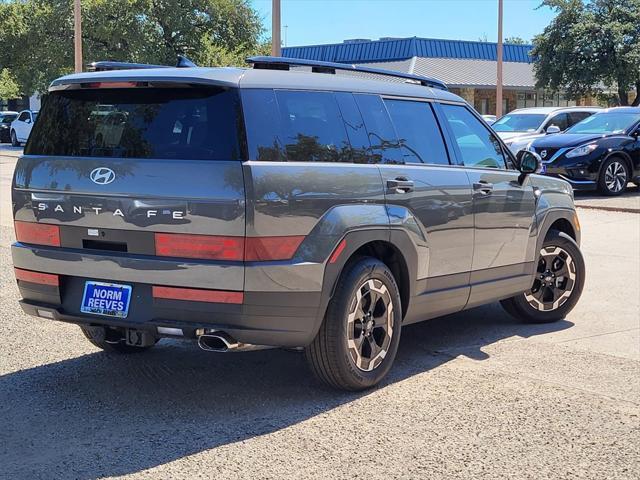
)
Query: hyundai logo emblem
[
  {"x": 102, "y": 175},
  {"x": 543, "y": 154}
]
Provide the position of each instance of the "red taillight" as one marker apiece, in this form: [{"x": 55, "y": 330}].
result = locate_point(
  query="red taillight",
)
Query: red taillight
[
  {"x": 37, "y": 277},
  {"x": 271, "y": 248},
  {"x": 212, "y": 247},
  {"x": 38, "y": 233},
  {"x": 197, "y": 295},
  {"x": 199, "y": 246}
]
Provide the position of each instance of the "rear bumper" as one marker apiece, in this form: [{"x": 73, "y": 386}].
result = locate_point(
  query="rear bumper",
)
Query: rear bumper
[{"x": 279, "y": 312}]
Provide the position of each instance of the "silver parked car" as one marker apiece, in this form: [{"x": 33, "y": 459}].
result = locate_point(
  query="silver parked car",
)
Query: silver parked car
[{"x": 520, "y": 127}]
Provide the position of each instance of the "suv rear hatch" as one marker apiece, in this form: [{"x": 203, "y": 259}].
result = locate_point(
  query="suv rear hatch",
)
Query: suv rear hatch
[{"x": 138, "y": 184}]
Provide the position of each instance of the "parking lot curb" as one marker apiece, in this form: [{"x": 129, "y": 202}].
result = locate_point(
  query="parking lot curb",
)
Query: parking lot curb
[{"x": 610, "y": 209}]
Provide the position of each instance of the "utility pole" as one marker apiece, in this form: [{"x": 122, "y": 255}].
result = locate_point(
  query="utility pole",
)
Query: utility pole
[
  {"x": 77, "y": 35},
  {"x": 499, "y": 79},
  {"x": 276, "y": 49}
]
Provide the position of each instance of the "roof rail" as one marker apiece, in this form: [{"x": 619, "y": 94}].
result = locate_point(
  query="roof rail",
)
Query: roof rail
[
  {"x": 284, "y": 63},
  {"x": 183, "y": 62}
]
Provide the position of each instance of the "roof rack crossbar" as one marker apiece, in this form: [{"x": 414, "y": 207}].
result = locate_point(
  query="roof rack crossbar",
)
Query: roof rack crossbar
[
  {"x": 101, "y": 66},
  {"x": 283, "y": 63}
]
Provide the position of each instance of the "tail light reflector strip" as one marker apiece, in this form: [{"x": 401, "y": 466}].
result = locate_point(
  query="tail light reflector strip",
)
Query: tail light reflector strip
[
  {"x": 37, "y": 277},
  {"x": 197, "y": 295}
]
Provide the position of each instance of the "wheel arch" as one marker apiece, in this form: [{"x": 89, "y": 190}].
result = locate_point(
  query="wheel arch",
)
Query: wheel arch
[
  {"x": 621, "y": 154},
  {"x": 393, "y": 247}
]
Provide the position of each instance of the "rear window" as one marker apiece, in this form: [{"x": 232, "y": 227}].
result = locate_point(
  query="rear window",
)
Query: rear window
[{"x": 184, "y": 123}]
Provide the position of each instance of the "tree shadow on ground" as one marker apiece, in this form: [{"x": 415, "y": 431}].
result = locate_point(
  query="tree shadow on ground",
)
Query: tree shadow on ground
[{"x": 102, "y": 415}]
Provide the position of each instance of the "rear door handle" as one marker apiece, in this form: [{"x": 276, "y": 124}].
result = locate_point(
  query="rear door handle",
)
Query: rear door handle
[
  {"x": 485, "y": 188},
  {"x": 400, "y": 185}
]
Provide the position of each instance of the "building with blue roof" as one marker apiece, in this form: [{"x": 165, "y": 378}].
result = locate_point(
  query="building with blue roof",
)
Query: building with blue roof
[{"x": 468, "y": 68}]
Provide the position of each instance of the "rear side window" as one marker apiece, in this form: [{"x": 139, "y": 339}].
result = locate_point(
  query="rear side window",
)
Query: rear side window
[
  {"x": 478, "y": 147},
  {"x": 560, "y": 120},
  {"x": 176, "y": 123},
  {"x": 418, "y": 132},
  {"x": 385, "y": 147},
  {"x": 575, "y": 117},
  {"x": 312, "y": 127}
]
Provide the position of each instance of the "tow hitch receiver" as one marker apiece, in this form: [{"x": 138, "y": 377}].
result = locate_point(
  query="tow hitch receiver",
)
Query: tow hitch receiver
[{"x": 139, "y": 338}]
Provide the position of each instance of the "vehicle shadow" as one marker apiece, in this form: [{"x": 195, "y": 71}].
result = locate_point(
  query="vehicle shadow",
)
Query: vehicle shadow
[
  {"x": 632, "y": 191},
  {"x": 102, "y": 415}
]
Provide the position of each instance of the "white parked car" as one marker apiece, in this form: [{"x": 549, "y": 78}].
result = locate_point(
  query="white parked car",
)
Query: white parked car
[
  {"x": 520, "y": 127},
  {"x": 21, "y": 127},
  {"x": 490, "y": 119}
]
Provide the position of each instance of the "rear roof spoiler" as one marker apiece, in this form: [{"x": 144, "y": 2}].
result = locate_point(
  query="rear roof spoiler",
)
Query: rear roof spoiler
[
  {"x": 284, "y": 63},
  {"x": 102, "y": 66}
]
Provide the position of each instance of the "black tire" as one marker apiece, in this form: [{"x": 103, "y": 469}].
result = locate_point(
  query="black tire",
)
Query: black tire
[
  {"x": 110, "y": 340},
  {"x": 330, "y": 357},
  {"x": 14, "y": 139},
  {"x": 610, "y": 172},
  {"x": 531, "y": 306}
]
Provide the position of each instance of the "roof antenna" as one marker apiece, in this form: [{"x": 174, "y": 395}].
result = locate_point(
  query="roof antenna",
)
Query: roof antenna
[{"x": 184, "y": 62}]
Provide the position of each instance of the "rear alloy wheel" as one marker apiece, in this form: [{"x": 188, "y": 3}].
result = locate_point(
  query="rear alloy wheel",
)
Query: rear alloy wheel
[
  {"x": 613, "y": 177},
  {"x": 558, "y": 283},
  {"x": 14, "y": 139},
  {"x": 358, "y": 339}
]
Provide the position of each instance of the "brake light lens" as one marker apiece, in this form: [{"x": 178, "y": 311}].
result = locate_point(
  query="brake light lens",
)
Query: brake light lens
[
  {"x": 37, "y": 277},
  {"x": 37, "y": 233},
  {"x": 271, "y": 248},
  {"x": 199, "y": 246},
  {"x": 212, "y": 247},
  {"x": 197, "y": 295}
]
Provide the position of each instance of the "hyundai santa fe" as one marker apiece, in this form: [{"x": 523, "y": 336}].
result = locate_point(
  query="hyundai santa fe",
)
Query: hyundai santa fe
[{"x": 284, "y": 205}]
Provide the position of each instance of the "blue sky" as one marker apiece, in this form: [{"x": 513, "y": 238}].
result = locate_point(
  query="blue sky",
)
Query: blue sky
[{"x": 331, "y": 21}]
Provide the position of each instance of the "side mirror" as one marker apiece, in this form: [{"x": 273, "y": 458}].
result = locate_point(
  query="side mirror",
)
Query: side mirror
[
  {"x": 528, "y": 162},
  {"x": 28, "y": 120},
  {"x": 553, "y": 129}
]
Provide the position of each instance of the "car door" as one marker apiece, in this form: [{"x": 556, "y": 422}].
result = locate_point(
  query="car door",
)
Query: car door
[
  {"x": 19, "y": 126},
  {"x": 503, "y": 209},
  {"x": 426, "y": 195}
]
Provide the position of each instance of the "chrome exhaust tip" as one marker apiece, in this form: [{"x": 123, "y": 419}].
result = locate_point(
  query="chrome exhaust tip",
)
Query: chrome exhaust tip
[
  {"x": 216, "y": 342},
  {"x": 221, "y": 342}
]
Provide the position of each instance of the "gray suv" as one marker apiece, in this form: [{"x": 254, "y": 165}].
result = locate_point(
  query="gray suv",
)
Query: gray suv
[{"x": 284, "y": 205}]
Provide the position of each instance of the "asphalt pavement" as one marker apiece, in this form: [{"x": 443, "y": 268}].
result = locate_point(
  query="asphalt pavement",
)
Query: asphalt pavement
[{"x": 472, "y": 395}]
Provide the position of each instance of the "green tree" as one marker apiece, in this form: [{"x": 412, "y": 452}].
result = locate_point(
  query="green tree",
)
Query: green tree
[
  {"x": 9, "y": 87},
  {"x": 589, "y": 47},
  {"x": 515, "y": 41},
  {"x": 37, "y": 40}
]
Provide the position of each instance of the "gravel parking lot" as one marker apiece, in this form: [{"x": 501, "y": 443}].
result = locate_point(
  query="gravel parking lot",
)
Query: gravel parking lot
[{"x": 472, "y": 395}]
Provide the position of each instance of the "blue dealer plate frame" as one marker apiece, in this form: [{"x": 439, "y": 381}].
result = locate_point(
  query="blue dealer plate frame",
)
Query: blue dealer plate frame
[{"x": 107, "y": 299}]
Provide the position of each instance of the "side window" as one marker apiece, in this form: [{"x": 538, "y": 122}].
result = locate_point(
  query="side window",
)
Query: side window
[
  {"x": 23, "y": 116},
  {"x": 575, "y": 117},
  {"x": 356, "y": 130},
  {"x": 385, "y": 147},
  {"x": 478, "y": 147},
  {"x": 560, "y": 120},
  {"x": 262, "y": 121},
  {"x": 312, "y": 127},
  {"x": 418, "y": 132}
]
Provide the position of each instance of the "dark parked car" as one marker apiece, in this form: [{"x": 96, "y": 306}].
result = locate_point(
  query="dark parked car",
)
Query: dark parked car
[
  {"x": 274, "y": 207},
  {"x": 5, "y": 125},
  {"x": 601, "y": 152}
]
